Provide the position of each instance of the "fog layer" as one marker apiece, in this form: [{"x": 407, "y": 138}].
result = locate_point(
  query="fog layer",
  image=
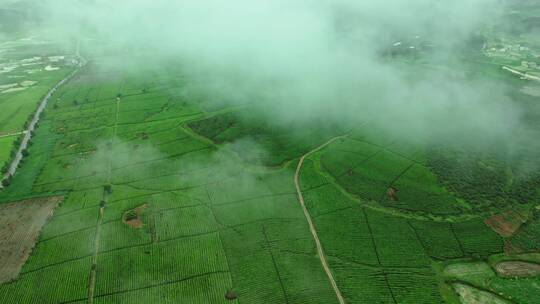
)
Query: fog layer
[{"x": 400, "y": 65}]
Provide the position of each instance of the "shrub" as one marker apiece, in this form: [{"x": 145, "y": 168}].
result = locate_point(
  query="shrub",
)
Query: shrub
[
  {"x": 107, "y": 188},
  {"x": 131, "y": 215},
  {"x": 7, "y": 181}
]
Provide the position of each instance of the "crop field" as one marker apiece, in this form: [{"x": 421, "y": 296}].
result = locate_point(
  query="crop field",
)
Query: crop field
[
  {"x": 29, "y": 69},
  {"x": 158, "y": 208},
  {"x": 204, "y": 230},
  {"x": 141, "y": 185},
  {"x": 390, "y": 244},
  {"x": 6, "y": 145},
  {"x": 480, "y": 276},
  {"x": 279, "y": 145}
]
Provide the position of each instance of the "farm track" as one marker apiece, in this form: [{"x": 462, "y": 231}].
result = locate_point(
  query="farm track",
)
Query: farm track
[
  {"x": 92, "y": 278},
  {"x": 219, "y": 232},
  {"x": 524, "y": 75},
  {"x": 13, "y": 134},
  {"x": 374, "y": 246},
  {"x": 274, "y": 263},
  {"x": 312, "y": 228},
  {"x": 151, "y": 286}
]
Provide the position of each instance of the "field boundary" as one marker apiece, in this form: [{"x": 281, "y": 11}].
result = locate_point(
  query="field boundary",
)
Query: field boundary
[{"x": 320, "y": 250}]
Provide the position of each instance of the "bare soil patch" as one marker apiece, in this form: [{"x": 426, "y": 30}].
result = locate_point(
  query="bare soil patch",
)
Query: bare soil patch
[
  {"x": 392, "y": 194},
  {"x": 510, "y": 248},
  {"x": 468, "y": 270},
  {"x": 471, "y": 295},
  {"x": 231, "y": 295},
  {"x": 20, "y": 224},
  {"x": 511, "y": 269},
  {"x": 132, "y": 217},
  {"x": 507, "y": 223}
]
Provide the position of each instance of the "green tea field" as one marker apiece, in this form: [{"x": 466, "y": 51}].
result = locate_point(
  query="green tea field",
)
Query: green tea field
[{"x": 162, "y": 172}]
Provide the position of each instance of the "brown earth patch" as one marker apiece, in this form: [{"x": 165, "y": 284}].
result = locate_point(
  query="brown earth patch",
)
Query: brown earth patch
[
  {"x": 20, "y": 224},
  {"x": 231, "y": 295},
  {"x": 520, "y": 269},
  {"x": 132, "y": 217},
  {"x": 507, "y": 223},
  {"x": 392, "y": 194},
  {"x": 510, "y": 248},
  {"x": 143, "y": 135},
  {"x": 470, "y": 295}
]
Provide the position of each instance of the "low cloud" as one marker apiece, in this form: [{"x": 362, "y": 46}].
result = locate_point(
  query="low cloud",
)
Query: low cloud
[{"x": 345, "y": 62}]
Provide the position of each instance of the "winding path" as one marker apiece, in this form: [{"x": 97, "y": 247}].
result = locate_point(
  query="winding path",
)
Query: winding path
[
  {"x": 37, "y": 115},
  {"x": 524, "y": 75},
  {"x": 12, "y": 134},
  {"x": 320, "y": 250}
]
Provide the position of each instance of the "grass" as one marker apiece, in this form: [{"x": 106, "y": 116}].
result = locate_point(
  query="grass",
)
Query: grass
[
  {"x": 480, "y": 275},
  {"x": 267, "y": 144},
  {"x": 204, "y": 214},
  {"x": 485, "y": 181},
  {"x": 367, "y": 170},
  {"x": 528, "y": 237},
  {"x": 6, "y": 146},
  {"x": 18, "y": 106}
]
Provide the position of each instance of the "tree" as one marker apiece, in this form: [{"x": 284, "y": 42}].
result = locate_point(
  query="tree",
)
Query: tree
[
  {"x": 7, "y": 181},
  {"x": 107, "y": 188}
]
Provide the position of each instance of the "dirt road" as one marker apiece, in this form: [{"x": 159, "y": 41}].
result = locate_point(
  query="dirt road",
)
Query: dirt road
[
  {"x": 37, "y": 115},
  {"x": 527, "y": 76},
  {"x": 97, "y": 237},
  {"x": 320, "y": 251}
]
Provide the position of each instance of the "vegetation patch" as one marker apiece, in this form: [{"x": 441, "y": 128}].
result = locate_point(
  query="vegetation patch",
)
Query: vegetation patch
[
  {"x": 527, "y": 238},
  {"x": 484, "y": 180},
  {"x": 479, "y": 276},
  {"x": 268, "y": 144},
  {"x": 512, "y": 269},
  {"x": 133, "y": 217},
  {"x": 507, "y": 223},
  {"x": 471, "y": 295},
  {"x": 231, "y": 295}
]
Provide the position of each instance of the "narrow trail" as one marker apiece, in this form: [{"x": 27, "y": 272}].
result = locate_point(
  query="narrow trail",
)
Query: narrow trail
[
  {"x": 13, "y": 134},
  {"x": 320, "y": 250},
  {"x": 92, "y": 278},
  {"x": 524, "y": 75}
]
